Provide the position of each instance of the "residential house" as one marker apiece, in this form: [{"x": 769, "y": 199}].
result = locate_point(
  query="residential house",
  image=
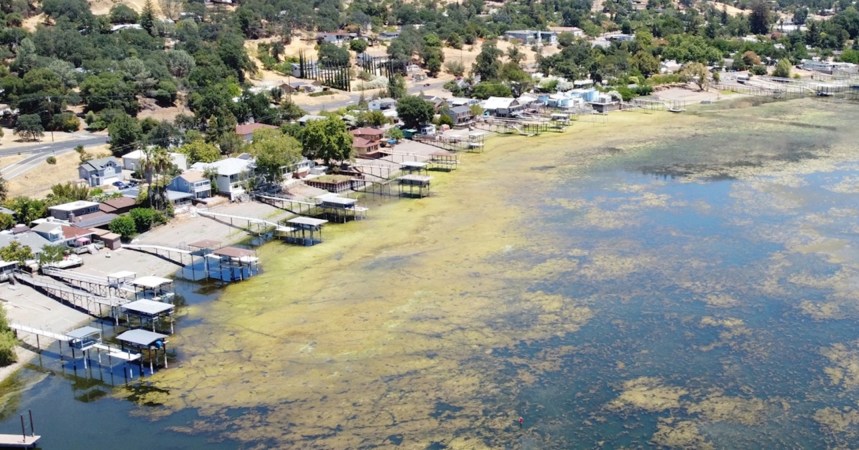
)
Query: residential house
[
  {"x": 246, "y": 131},
  {"x": 501, "y": 106},
  {"x": 461, "y": 115},
  {"x": 367, "y": 141},
  {"x": 31, "y": 239},
  {"x": 56, "y": 233},
  {"x": 381, "y": 104},
  {"x": 309, "y": 67},
  {"x": 119, "y": 205},
  {"x": 533, "y": 36},
  {"x": 231, "y": 175},
  {"x": 101, "y": 171},
  {"x": 389, "y": 35},
  {"x": 192, "y": 182},
  {"x": 307, "y": 118},
  {"x": 295, "y": 87},
  {"x": 436, "y": 101},
  {"x": 68, "y": 211},
  {"x": 133, "y": 160},
  {"x": 575, "y": 31},
  {"x": 338, "y": 38}
]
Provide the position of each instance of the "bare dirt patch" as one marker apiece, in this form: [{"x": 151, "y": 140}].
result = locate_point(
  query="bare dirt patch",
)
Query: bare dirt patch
[{"x": 38, "y": 181}]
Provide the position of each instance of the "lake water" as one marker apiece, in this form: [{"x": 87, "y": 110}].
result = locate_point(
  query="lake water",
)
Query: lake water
[{"x": 679, "y": 280}]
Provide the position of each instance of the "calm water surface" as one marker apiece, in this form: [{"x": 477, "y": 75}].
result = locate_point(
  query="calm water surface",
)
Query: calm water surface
[{"x": 718, "y": 270}]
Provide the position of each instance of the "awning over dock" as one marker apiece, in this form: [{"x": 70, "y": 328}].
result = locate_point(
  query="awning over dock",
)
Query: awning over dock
[
  {"x": 148, "y": 308},
  {"x": 150, "y": 282},
  {"x": 141, "y": 338},
  {"x": 307, "y": 223}
]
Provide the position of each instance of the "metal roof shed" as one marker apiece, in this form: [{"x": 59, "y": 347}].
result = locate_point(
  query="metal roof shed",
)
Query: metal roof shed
[
  {"x": 148, "y": 310},
  {"x": 145, "y": 340},
  {"x": 84, "y": 338},
  {"x": 308, "y": 230}
]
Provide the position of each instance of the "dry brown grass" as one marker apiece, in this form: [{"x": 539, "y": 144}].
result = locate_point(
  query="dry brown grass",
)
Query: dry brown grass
[{"x": 38, "y": 181}]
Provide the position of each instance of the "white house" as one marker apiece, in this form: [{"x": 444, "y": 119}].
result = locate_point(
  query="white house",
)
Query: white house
[
  {"x": 232, "y": 173},
  {"x": 381, "y": 104},
  {"x": 132, "y": 160}
]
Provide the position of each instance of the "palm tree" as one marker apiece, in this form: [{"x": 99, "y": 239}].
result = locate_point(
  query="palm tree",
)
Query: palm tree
[{"x": 157, "y": 166}]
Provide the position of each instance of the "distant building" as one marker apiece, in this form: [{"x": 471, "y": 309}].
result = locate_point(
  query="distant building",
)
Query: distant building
[
  {"x": 246, "y": 131},
  {"x": 381, "y": 104},
  {"x": 389, "y": 35},
  {"x": 827, "y": 66},
  {"x": 533, "y": 36},
  {"x": 461, "y": 115},
  {"x": 366, "y": 141},
  {"x": 307, "y": 118},
  {"x": 132, "y": 160},
  {"x": 100, "y": 171},
  {"x": 295, "y": 68},
  {"x": 575, "y": 31}
]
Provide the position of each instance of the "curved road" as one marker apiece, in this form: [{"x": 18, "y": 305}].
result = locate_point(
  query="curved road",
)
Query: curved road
[
  {"x": 356, "y": 95},
  {"x": 36, "y": 153}
]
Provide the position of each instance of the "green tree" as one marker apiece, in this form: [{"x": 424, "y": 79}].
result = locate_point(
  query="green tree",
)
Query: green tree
[
  {"x": 147, "y": 17},
  {"x": 696, "y": 73},
  {"x": 52, "y": 254},
  {"x": 358, "y": 45},
  {"x": 7, "y": 341},
  {"x": 327, "y": 140},
  {"x": 108, "y": 90},
  {"x": 759, "y": 19},
  {"x": 485, "y": 90},
  {"x": 125, "y": 133},
  {"x": 29, "y": 127},
  {"x": 122, "y": 13},
  {"x": 200, "y": 151},
  {"x": 27, "y": 209},
  {"x": 395, "y": 134},
  {"x": 455, "y": 68},
  {"x": 17, "y": 252},
  {"x": 414, "y": 111},
  {"x": 372, "y": 118},
  {"x": 6, "y": 221},
  {"x": 145, "y": 218},
  {"x": 487, "y": 65},
  {"x": 333, "y": 55},
  {"x": 67, "y": 192},
  {"x": 123, "y": 226},
  {"x": 4, "y": 189},
  {"x": 274, "y": 151},
  {"x": 396, "y": 86},
  {"x": 782, "y": 69}
]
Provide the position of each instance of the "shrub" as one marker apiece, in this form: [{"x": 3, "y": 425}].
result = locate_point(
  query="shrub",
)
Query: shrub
[
  {"x": 146, "y": 218},
  {"x": 51, "y": 160},
  {"x": 759, "y": 70},
  {"x": 7, "y": 348},
  {"x": 123, "y": 226}
]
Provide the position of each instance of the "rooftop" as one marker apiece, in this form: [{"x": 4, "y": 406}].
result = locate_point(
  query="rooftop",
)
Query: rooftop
[
  {"x": 148, "y": 307},
  {"x": 73, "y": 206},
  {"x": 95, "y": 164},
  {"x": 367, "y": 131},
  {"x": 83, "y": 332},
  {"x": 151, "y": 281},
  {"x": 249, "y": 128},
  {"x": 192, "y": 176},
  {"x": 234, "y": 252},
  {"x": 141, "y": 338},
  {"x": 307, "y": 221}
]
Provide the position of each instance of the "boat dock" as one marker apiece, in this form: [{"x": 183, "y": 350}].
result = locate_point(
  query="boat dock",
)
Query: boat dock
[
  {"x": 84, "y": 300},
  {"x": 18, "y": 441}
]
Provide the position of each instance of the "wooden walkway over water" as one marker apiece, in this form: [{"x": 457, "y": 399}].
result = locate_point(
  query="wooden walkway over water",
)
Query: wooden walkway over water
[{"x": 92, "y": 304}]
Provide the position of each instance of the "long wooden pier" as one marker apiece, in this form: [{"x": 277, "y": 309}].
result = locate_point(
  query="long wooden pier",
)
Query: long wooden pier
[
  {"x": 92, "y": 283},
  {"x": 172, "y": 254},
  {"x": 112, "y": 352},
  {"x": 262, "y": 225},
  {"x": 87, "y": 301}
]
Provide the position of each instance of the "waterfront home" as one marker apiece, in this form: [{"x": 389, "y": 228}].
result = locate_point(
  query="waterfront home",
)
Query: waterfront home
[
  {"x": 56, "y": 233},
  {"x": 533, "y": 36},
  {"x": 231, "y": 175},
  {"x": 69, "y": 211},
  {"x": 135, "y": 159},
  {"x": 461, "y": 115},
  {"x": 246, "y": 131},
  {"x": 192, "y": 182},
  {"x": 29, "y": 238},
  {"x": 119, "y": 205},
  {"x": 366, "y": 141},
  {"x": 500, "y": 106},
  {"x": 381, "y": 104},
  {"x": 80, "y": 213},
  {"x": 101, "y": 171}
]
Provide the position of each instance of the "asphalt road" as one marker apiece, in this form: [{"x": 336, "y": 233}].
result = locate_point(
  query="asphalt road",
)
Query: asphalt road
[
  {"x": 36, "y": 153},
  {"x": 355, "y": 96}
]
